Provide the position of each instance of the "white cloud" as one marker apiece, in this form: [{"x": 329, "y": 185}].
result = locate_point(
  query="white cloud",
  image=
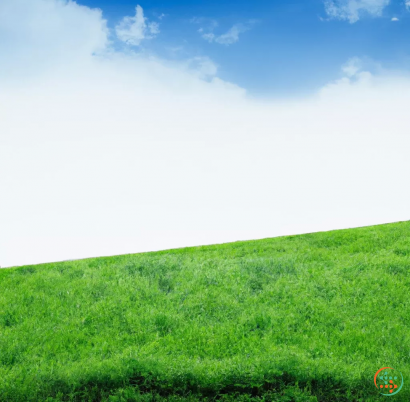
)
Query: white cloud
[
  {"x": 394, "y": 19},
  {"x": 352, "y": 67},
  {"x": 44, "y": 33},
  {"x": 210, "y": 37},
  {"x": 204, "y": 67},
  {"x": 228, "y": 38},
  {"x": 121, "y": 153},
  {"x": 352, "y": 10},
  {"x": 132, "y": 30}
]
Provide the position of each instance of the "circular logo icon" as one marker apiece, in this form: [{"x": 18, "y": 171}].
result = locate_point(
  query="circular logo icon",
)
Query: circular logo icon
[{"x": 388, "y": 381}]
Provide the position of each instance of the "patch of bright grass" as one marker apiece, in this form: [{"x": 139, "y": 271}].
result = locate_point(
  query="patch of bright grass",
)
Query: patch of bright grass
[{"x": 296, "y": 318}]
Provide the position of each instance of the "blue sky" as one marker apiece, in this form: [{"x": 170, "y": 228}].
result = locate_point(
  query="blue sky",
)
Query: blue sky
[
  {"x": 291, "y": 49},
  {"x": 194, "y": 123}
]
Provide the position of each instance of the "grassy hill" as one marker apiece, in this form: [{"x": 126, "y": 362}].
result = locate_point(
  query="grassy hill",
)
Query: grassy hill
[{"x": 296, "y": 318}]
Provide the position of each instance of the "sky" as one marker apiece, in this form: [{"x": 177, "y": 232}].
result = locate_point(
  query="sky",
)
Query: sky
[
  {"x": 129, "y": 127},
  {"x": 291, "y": 48}
]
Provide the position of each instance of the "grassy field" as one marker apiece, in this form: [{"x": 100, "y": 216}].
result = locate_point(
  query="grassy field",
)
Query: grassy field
[{"x": 297, "y": 318}]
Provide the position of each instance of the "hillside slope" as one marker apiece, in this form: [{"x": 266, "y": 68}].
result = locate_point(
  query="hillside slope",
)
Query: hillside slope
[{"x": 296, "y": 318}]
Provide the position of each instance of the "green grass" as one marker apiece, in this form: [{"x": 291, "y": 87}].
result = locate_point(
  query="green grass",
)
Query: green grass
[{"x": 297, "y": 318}]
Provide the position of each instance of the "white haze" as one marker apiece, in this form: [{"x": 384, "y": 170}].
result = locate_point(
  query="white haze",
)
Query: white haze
[{"x": 106, "y": 153}]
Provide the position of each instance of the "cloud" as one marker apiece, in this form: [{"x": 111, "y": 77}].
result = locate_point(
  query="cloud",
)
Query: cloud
[
  {"x": 352, "y": 67},
  {"x": 352, "y": 10},
  {"x": 39, "y": 35},
  {"x": 105, "y": 152},
  {"x": 204, "y": 67},
  {"x": 407, "y": 4},
  {"x": 394, "y": 19},
  {"x": 132, "y": 30},
  {"x": 228, "y": 38}
]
